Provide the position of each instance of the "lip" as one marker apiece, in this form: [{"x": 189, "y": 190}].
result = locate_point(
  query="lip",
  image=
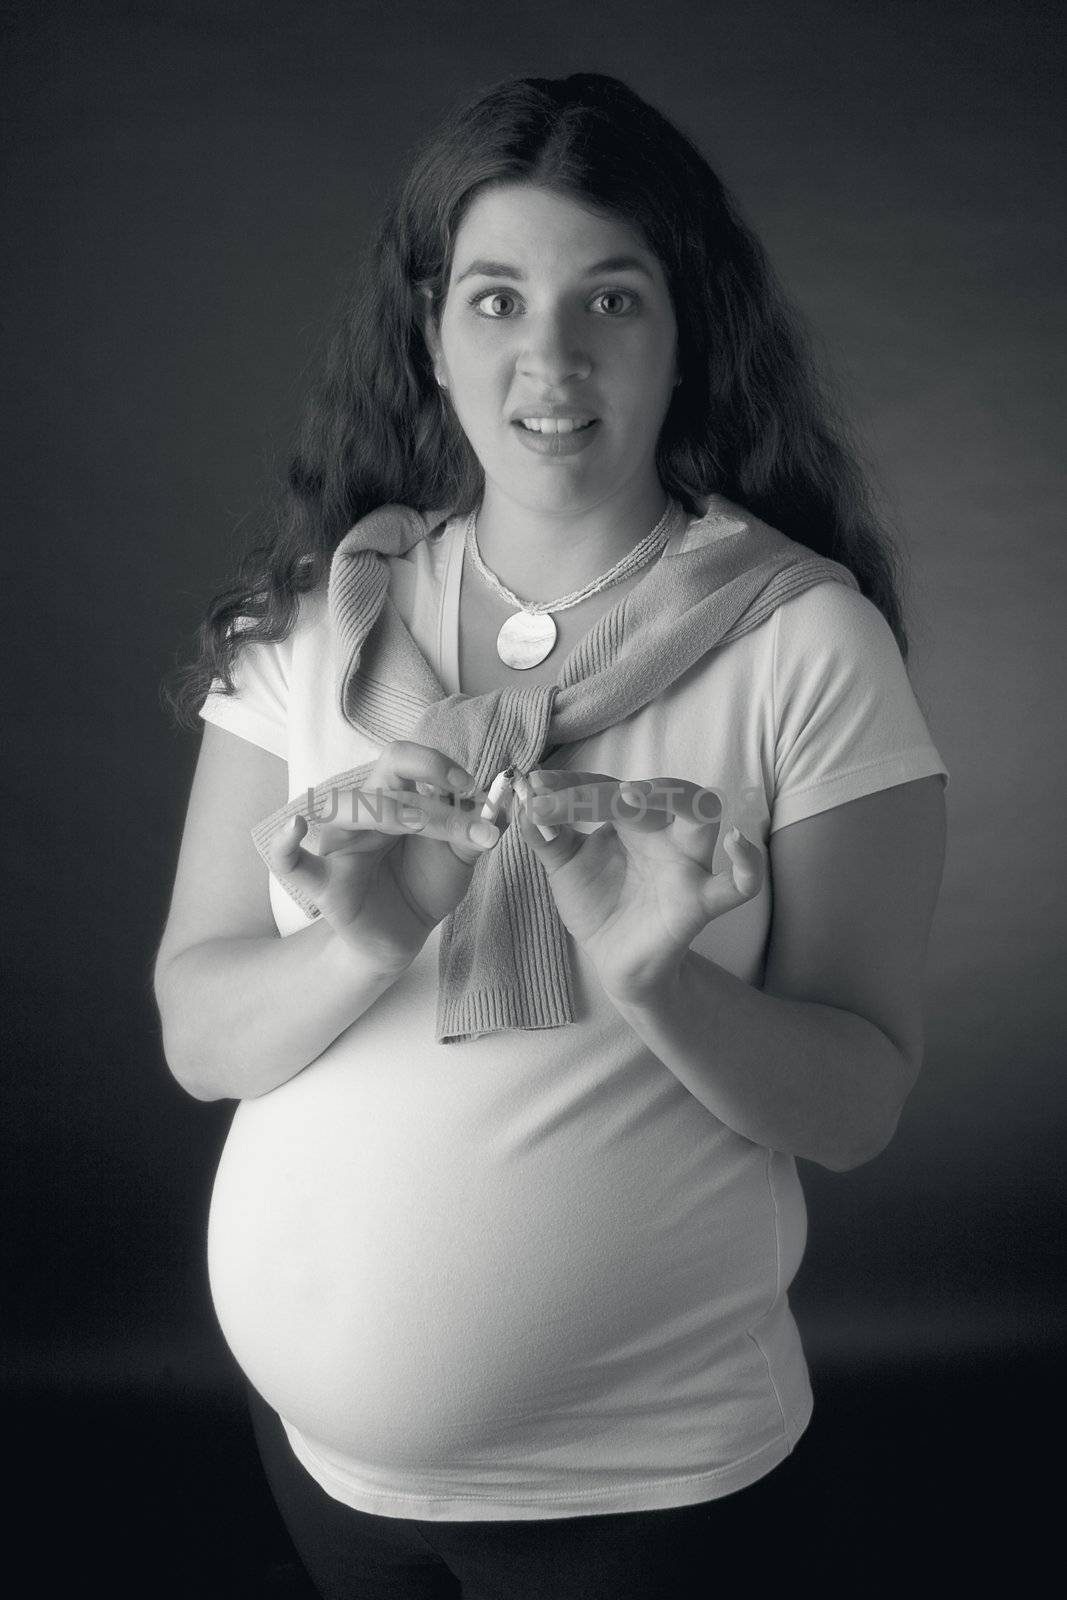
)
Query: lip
[
  {"x": 556, "y": 444},
  {"x": 551, "y": 408}
]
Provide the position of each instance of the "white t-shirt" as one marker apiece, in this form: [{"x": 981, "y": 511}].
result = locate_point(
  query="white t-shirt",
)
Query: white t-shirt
[{"x": 529, "y": 1275}]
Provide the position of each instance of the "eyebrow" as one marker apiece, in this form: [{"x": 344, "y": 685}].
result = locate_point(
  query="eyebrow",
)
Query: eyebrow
[{"x": 501, "y": 269}]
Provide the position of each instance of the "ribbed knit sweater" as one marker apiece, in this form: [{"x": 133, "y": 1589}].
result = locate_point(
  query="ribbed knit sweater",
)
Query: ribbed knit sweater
[{"x": 504, "y": 961}]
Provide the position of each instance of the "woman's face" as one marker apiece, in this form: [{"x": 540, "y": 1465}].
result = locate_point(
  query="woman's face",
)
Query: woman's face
[{"x": 552, "y": 309}]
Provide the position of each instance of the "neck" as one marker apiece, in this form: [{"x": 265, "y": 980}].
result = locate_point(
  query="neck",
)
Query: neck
[{"x": 542, "y": 555}]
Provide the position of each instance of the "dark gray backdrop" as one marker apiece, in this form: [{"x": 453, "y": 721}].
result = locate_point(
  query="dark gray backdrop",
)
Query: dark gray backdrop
[{"x": 186, "y": 186}]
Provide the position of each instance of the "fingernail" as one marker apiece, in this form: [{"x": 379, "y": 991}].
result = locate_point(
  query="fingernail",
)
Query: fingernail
[
  {"x": 461, "y": 781},
  {"x": 537, "y": 779},
  {"x": 484, "y": 833}
]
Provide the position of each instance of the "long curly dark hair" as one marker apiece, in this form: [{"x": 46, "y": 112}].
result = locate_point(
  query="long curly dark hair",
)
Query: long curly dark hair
[{"x": 754, "y": 417}]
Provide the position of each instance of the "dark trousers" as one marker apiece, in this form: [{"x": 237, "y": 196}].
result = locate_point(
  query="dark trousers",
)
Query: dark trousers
[{"x": 763, "y": 1534}]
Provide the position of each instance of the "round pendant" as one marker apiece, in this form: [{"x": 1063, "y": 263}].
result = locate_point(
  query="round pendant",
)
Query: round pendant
[{"x": 526, "y": 638}]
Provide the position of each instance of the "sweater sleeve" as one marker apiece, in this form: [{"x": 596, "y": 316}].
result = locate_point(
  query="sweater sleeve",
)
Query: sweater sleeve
[
  {"x": 847, "y": 722},
  {"x": 259, "y": 709}
]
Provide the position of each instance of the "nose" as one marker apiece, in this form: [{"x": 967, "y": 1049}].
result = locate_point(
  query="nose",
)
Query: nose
[{"x": 552, "y": 352}]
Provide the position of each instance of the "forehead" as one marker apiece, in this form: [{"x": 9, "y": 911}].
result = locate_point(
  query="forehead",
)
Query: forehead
[{"x": 544, "y": 228}]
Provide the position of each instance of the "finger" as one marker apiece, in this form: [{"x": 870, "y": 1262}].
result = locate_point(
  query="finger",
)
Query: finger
[
  {"x": 746, "y": 860},
  {"x": 288, "y": 859},
  {"x": 694, "y": 812},
  {"x": 697, "y": 841},
  {"x": 657, "y": 791},
  {"x": 544, "y": 779},
  {"x": 646, "y": 803},
  {"x": 472, "y": 837},
  {"x": 394, "y": 813},
  {"x": 554, "y": 851},
  {"x": 691, "y": 812},
  {"x": 632, "y": 808},
  {"x": 693, "y": 801},
  {"x": 403, "y": 759},
  {"x": 469, "y": 835},
  {"x": 607, "y": 800},
  {"x": 738, "y": 882},
  {"x": 523, "y": 796},
  {"x": 596, "y": 800}
]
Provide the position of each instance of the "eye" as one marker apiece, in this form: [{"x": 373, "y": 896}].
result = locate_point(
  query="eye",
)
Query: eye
[
  {"x": 617, "y": 294},
  {"x": 490, "y": 294},
  {"x": 626, "y": 296}
]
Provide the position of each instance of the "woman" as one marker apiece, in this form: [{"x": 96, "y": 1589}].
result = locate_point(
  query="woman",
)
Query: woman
[{"x": 505, "y": 1223}]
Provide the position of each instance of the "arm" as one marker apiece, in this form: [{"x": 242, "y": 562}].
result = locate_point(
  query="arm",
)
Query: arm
[
  {"x": 821, "y": 1061},
  {"x": 810, "y": 1079},
  {"x": 243, "y": 1010}
]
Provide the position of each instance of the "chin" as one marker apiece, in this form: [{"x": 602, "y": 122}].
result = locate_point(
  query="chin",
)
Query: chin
[{"x": 555, "y": 498}]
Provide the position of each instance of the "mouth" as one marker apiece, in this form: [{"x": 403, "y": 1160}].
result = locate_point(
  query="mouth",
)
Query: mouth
[
  {"x": 553, "y": 425},
  {"x": 556, "y": 437}
]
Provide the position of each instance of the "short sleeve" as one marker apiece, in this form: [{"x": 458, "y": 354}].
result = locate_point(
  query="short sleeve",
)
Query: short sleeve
[
  {"x": 847, "y": 722},
  {"x": 259, "y": 709}
]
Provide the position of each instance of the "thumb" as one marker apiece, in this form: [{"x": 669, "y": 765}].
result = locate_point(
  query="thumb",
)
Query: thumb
[
  {"x": 555, "y": 845},
  {"x": 288, "y": 859},
  {"x": 741, "y": 880}
]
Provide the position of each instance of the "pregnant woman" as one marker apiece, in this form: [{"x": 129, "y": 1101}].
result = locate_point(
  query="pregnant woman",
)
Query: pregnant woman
[{"x": 559, "y": 866}]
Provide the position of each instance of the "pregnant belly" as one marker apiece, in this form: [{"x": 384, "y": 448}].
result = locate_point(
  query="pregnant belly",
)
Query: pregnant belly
[{"x": 406, "y": 1283}]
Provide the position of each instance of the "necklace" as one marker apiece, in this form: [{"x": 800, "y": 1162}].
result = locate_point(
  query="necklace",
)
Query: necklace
[{"x": 529, "y": 634}]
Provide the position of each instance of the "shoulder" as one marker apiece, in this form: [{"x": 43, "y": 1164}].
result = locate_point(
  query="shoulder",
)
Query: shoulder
[
  {"x": 833, "y": 620},
  {"x": 828, "y": 615},
  {"x": 836, "y": 664}
]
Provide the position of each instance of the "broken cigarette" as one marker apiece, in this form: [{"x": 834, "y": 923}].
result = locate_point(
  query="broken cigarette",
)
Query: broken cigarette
[{"x": 498, "y": 790}]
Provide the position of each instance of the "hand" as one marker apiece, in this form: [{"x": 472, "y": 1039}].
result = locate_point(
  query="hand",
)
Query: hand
[
  {"x": 384, "y": 881},
  {"x": 637, "y": 891}
]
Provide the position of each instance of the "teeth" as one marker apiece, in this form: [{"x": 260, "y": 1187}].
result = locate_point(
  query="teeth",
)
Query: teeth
[{"x": 555, "y": 424}]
